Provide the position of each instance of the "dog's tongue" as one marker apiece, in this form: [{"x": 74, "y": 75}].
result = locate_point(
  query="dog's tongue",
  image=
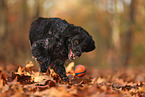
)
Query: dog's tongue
[{"x": 71, "y": 55}]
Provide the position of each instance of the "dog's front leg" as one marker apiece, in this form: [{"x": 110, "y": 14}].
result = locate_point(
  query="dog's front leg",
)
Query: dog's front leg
[
  {"x": 40, "y": 53},
  {"x": 58, "y": 67}
]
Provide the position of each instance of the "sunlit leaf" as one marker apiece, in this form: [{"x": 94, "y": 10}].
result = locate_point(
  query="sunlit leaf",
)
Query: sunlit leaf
[
  {"x": 29, "y": 65},
  {"x": 100, "y": 80},
  {"x": 70, "y": 67}
]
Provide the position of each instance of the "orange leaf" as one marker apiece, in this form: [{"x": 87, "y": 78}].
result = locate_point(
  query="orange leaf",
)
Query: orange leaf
[{"x": 29, "y": 65}]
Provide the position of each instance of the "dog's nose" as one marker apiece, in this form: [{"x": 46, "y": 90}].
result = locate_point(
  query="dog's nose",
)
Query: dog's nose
[{"x": 78, "y": 54}]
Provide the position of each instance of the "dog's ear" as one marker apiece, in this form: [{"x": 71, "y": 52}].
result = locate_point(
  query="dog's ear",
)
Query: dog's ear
[{"x": 88, "y": 45}]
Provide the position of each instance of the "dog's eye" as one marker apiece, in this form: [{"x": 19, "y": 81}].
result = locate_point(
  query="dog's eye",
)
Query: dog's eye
[{"x": 76, "y": 42}]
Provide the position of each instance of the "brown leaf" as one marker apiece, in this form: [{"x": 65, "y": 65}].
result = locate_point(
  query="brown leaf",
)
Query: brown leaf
[
  {"x": 100, "y": 80},
  {"x": 19, "y": 92},
  {"x": 93, "y": 81},
  {"x": 3, "y": 79},
  {"x": 54, "y": 92},
  {"x": 1, "y": 83},
  {"x": 142, "y": 89},
  {"x": 50, "y": 83},
  {"x": 23, "y": 79}
]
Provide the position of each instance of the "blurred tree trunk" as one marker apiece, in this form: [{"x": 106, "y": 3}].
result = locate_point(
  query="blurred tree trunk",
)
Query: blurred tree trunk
[
  {"x": 3, "y": 20},
  {"x": 37, "y": 9},
  {"x": 127, "y": 40},
  {"x": 113, "y": 56},
  {"x": 24, "y": 15},
  {"x": 115, "y": 28},
  {"x": 3, "y": 26}
]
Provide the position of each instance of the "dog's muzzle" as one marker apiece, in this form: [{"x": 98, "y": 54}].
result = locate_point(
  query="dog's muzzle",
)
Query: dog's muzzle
[{"x": 71, "y": 55}]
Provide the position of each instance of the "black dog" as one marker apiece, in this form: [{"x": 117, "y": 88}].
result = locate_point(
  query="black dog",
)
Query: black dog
[{"x": 54, "y": 40}]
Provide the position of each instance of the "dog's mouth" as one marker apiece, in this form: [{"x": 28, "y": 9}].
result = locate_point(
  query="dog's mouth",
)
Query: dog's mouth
[{"x": 71, "y": 55}]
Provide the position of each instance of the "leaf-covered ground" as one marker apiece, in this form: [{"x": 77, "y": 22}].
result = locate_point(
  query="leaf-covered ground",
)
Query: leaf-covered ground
[{"x": 96, "y": 83}]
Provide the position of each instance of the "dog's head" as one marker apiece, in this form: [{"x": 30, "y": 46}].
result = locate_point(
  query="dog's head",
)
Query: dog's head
[{"x": 78, "y": 41}]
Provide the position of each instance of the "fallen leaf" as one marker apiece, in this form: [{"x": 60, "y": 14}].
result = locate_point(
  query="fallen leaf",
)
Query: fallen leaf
[
  {"x": 142, "y": 89},
  {"x": 3, "y": 79},
  {"x": 93, "y": 81},
  {"x": 1, "y": 83},
  {"x": 19, "y": 71},
  {"x": 37, "y": 77},
  {"x": 50, "y": 83},
  {"x": 69, "y": 67},
  {"x": 29, "y": 65},
  {"x": 100, "y": 80}
]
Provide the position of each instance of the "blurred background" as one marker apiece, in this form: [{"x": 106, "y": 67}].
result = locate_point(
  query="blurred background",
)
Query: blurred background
[{"x": 117, "y": 26}]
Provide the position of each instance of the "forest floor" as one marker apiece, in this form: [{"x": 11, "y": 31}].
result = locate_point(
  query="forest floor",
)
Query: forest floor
[{"x": 26, "y": 81}]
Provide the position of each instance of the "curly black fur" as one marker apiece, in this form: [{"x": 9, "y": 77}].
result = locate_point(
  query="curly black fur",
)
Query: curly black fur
[{"x": 54, "y": 40}]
